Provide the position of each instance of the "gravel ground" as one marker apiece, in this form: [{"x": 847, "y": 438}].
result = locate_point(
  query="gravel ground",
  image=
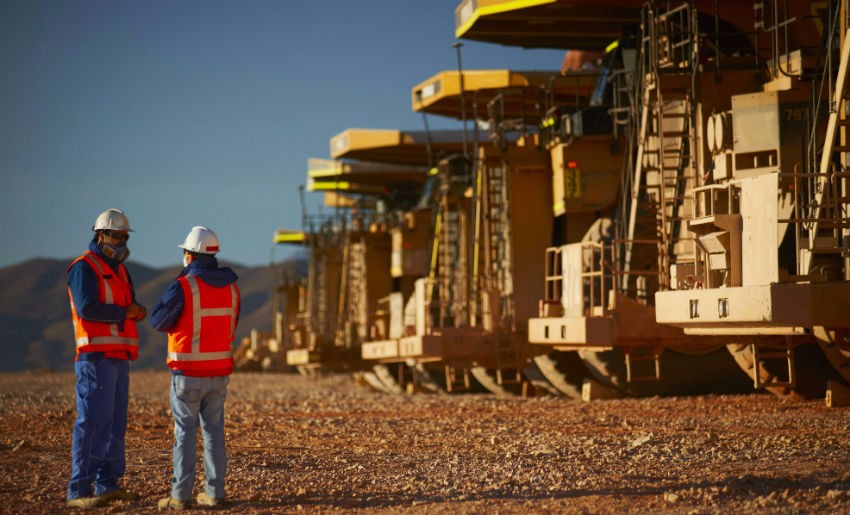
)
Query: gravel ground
[{"x": 325, "y": 446}]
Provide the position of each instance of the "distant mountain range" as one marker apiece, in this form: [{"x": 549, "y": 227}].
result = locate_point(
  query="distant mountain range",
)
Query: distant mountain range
[{"x": 35, "y": 314}]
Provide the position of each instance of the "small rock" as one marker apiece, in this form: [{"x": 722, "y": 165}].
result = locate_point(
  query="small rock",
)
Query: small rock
[
  {"x": 639, "y": 441},
  {"x": 671, "y": 498},
  {"x": 836, "y": 495}
]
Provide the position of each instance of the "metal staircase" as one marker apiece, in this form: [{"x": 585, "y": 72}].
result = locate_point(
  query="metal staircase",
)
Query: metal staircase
[
  {"x": 663, "y": 169},
  {"x": 674, "y": 176},
  {"x": 824, "y": 215},
  {"x": 339, "y": 336},
  {"x": 498, "y": 277},
  {"x": 320, "y": 283},
  {"x": 449, "y": 274},
  {"x": 448, "y": 267},
  {"x": 498, "y": 265},
  {"x": 352, "y": 313}
]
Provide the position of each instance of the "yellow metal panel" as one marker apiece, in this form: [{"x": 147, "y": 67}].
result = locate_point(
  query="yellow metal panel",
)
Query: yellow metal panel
[
  {"x": 747, "y": 306},
  {"x": 318, "y": 168},
  {"x": 531, "y": 226},
  {"x": 339, "y": 199},
  {"x": 760, "y": 238},
  {"x": 313, "y": 185},
  {"x": 577, "y": 331},
  {"x": 440, "y": 94},
  {"x": 379, "y": 349},
  {"x": 352, "y": 139},
  {"x": 565, "y": 24},
  {"x": 392, "y": 146},
  {"x": 467, "y": 14},
  {"x": 361, "y": 173},
  {"x": 414, "y": 346},
  {"x": 289, "y": 236},
  {"x": 585, "y": 175},
  {"x": 447, "y": 84},
  {"x": 595, "y": 24},
  {"x": 301, "y": 357}
]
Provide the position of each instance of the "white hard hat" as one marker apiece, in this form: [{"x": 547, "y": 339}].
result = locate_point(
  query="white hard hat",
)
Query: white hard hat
[
  {"x": 201, "y": 240},
  {"x": 112, "y": 219}
]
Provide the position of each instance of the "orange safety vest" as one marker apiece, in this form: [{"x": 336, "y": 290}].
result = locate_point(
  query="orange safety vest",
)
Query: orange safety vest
[
  {"x": 113, "y": 288},
  {"x": 199, "y": 342}
]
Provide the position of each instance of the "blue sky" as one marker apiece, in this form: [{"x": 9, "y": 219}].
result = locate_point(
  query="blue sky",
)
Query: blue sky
[{"x": 201, "y": 112}]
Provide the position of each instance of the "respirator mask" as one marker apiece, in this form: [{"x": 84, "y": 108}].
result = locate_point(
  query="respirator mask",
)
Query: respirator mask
[{"x": 117, "y": 251}]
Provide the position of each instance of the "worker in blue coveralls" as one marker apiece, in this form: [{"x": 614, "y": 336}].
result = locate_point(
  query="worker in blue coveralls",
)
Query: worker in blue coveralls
[{"x": 104, "y": 312}]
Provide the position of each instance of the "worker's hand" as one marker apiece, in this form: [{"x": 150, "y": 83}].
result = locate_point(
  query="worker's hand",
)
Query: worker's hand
[{"x": 136, "y": 312}]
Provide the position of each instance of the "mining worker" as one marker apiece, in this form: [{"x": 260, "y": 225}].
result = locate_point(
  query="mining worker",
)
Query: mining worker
[
  {"x": 199, "y": 310},
  {"x": 104, "y": 312}
]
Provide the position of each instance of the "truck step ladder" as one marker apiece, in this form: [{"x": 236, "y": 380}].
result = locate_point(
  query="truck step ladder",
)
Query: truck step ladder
[
  {"x": 774, "y": 354},
  {"x": 649, "y": 355},
  {"x": 457, "y": 377}
]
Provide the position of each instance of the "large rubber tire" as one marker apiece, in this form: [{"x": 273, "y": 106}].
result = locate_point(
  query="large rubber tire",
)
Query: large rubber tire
[
  {"x": 836, "y": 347},
  {"x": 305, "y": 371},
  {"x": 372, "y": 380},
  {"x": 681, "y": 374},
  {"x": 538, "y": 380},
  {"x": 388, "y": 376},
  {"x": 487, "y": 378},
  {"x": 564, "y": 370},
  {"x": 430, "y": 378},
  {"x": 813, "y": 370}
]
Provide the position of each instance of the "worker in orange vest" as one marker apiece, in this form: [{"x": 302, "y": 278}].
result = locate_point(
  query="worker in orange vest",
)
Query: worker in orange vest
[
  {"x": 199, "y": 311},
  {"x": 104, "y": 312}
]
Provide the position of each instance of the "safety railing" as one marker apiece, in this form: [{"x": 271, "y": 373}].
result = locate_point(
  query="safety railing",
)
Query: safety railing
[
  {"x": 598, "y": 276},
  {"x": 822, "y": 230}
]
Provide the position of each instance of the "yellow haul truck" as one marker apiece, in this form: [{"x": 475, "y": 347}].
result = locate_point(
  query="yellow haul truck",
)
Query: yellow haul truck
[
  {"x": 351, "y": 242},
  {"x": 466, "y": 320},
  {"x": 378, "y": 176},
  {"x": 723, "y": 131},
  {"x": 769, "y": 211},
  {"x": 597, "y": 299}
]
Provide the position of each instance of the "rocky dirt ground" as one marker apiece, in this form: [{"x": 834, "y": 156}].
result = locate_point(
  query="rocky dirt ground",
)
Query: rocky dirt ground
[{"x": 326, "y": 446}]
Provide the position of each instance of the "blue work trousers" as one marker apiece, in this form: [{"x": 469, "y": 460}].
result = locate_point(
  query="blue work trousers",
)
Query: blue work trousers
[
  {"x": 97, "y": 449},
  {"x": 194, "y": 399}
]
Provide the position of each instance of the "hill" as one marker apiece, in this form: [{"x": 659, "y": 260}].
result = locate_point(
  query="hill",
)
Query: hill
[{"x": 35, "y": 314}]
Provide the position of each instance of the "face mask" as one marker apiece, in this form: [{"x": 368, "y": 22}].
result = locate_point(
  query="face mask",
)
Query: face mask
[
  {"x": 118, "y": 252},
  {"x": 185, "y": 261}
]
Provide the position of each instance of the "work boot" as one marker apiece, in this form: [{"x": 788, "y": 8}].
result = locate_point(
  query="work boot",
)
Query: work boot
[
  {"x": 206, "y": 500},
  {"x": 85, "y": 503},
  {"x": 170, "y": 503},
  {"x": 119, "y": 495}
]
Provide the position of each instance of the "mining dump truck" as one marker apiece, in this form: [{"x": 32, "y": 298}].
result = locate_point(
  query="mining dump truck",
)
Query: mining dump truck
[
  {"x": 466, "y": 320},
  {"x": 351, "y": 258},
  {"x": 731, "y": 221},
  {"x": 588, "y": 156},
  {"x": 344, "y": 246},
  {"x": 768, "y": 212}
]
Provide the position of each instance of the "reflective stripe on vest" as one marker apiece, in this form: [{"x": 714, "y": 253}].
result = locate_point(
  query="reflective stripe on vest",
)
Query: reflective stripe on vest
[
  {"x": 197, "y": 314},
  {"x": 86, "y": 340}
]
